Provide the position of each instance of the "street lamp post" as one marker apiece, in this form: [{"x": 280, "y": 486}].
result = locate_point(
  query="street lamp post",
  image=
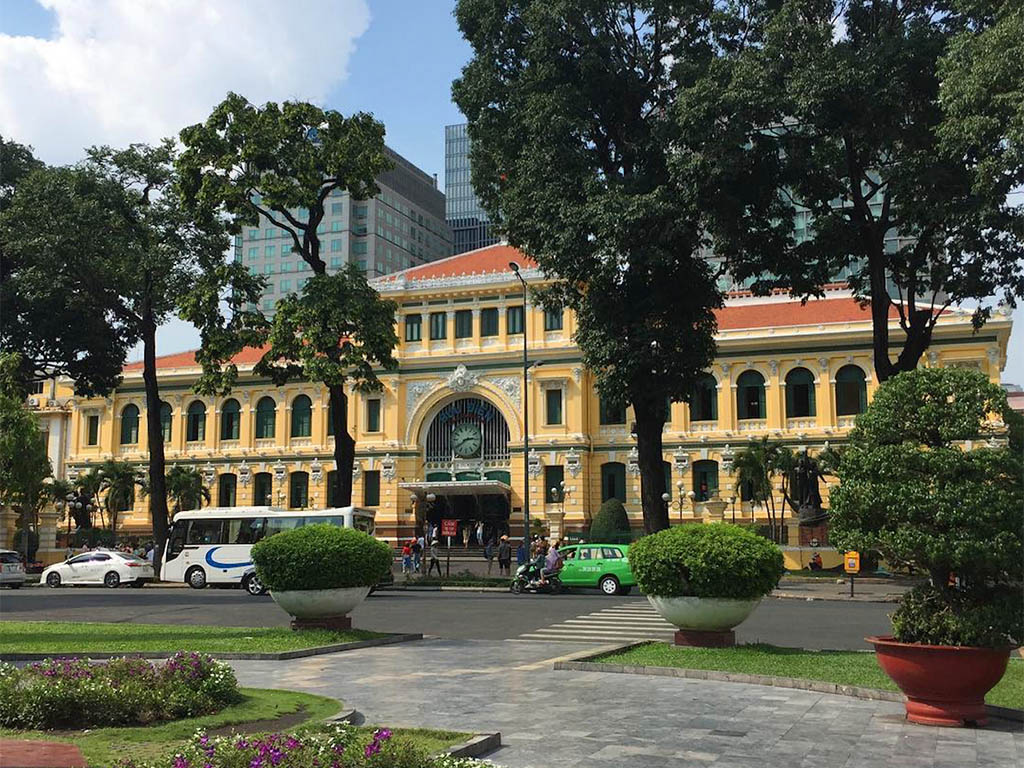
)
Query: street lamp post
[
  {"x": 678, "y": 502},
  {"x": 526, "y": 413}
]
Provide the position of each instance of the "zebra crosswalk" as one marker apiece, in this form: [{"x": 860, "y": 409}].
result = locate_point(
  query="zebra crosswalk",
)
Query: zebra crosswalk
[{"x": 622, "y": 622}]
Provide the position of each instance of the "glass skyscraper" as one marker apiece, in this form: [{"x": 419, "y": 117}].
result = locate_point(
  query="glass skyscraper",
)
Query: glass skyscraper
[
  {"x": 402, "y": 226},
  {"x": 469, "y": 223}
]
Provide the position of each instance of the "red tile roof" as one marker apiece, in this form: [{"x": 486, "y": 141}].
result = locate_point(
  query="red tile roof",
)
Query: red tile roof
[
  {"x": 792, "y": 313},
  {"x": 187, "y": 359},
  {"x": 490, "y": 259}
]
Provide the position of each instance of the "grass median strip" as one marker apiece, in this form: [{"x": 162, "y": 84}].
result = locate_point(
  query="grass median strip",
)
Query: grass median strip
[
  {"x": 839, "y": 667},
  {"x": 104, "y": 746},
  {"x": 260, "y": 711},
  {"x": 73, "y": 637}
]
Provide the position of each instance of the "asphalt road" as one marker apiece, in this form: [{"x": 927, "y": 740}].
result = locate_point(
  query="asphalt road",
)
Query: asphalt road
[{"x": 469, "y": 615}]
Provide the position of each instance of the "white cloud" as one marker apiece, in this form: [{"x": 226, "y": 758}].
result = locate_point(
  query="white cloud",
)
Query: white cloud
[{"x": 121, "y": 71}]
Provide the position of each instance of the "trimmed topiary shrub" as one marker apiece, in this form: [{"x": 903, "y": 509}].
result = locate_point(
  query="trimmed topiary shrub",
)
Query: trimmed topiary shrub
[
  {"x": 718, "y": 560},
  {"x": 933, "y": 478},
  {"x": 320, "y": 557},
  {"x": 611, "y": 524}
]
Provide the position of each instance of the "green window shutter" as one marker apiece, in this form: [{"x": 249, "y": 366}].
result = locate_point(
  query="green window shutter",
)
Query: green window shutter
[
  {"x": 812, "y": 398},
  {"x": 761, "y": 412},
  {"x": 371, "y": 488},
  {"x": 373, "y": 415},
  {"x": 553, "y": 401}
]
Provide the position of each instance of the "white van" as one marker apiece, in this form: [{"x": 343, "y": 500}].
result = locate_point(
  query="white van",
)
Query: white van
[{"x": 214, "y": 545}]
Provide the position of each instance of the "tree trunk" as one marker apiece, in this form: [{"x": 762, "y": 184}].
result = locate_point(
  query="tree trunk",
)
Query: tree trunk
[
  {"x": 650, "y": 421},
  {"x": 880, "y": 303},
  {"x": 155, "y": 440},
  {"x": 344, "y": 447}
]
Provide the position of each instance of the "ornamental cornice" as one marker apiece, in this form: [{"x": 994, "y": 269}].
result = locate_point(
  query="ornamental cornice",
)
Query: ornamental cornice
[{"x": 400, "y": 283}]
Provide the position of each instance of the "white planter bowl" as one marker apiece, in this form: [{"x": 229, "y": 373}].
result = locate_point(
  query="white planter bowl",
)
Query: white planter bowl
[
  {"x": 320, "y": 603},
  {"x": 707, "y": 614}
]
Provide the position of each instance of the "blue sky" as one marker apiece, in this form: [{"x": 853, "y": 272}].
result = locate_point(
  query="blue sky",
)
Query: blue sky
[{"x": 80, "y": 72}]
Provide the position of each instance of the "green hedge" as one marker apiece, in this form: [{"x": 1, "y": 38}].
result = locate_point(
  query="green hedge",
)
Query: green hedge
[
  {"x": 718, "y": 560},
  {"x": 320, "y": 557}
]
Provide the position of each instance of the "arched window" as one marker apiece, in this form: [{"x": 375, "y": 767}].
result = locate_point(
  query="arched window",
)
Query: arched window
[
  {"x": 196, "y": 422},
  {"x": 298, "y": 490},
  {"x": 331, "y": 477},
  {"x": 705, "y": 479},
  {"x": 266, "y": 417},
  {"x": 750, "y": 395},
  {"x": 704, "y": 404},
  {"x": 800, "y": 393},
  {"x": 302, "y": 417},
  {"x": 230, "y": 420},
  {"x": 613, "y": 481},
  {"x": 165, "y": 421},
  {"x": 227, "y": 486},
  {"x": 262, "y": 489},
  {"x": 130, "y": 425},
  {"x": 851, "y": 391}
]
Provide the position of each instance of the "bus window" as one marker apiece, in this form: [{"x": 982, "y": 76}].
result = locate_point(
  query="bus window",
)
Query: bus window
[
  {"x": 364, "y": 524},
  {"x": 338, "y": 521},
  {"x": 278, "y": 524},
  {"x": 206, "y": 532},
  {"x": 245, "y": 530},
  {"x": 176, "y": 540}
]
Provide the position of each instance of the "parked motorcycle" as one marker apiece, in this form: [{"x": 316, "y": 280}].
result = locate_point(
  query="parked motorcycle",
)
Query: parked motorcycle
[{"x": 527, "y": 579}]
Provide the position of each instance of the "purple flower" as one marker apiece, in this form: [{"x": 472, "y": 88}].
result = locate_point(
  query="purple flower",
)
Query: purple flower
[
  {"x": 292, "y": 743},
  {"x": 181, "y": 762},
  {"x": 372, "y": 748},
  {"x": 381, "y": 734}
]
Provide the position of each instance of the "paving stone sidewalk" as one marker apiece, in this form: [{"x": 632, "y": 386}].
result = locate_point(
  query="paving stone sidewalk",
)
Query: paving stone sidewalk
[{"x": 550, "y": 718}]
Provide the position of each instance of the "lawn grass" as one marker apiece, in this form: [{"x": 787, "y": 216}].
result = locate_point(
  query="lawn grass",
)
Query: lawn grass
[
  {"x": 74, "y": 637},
  {"x": 840, "y": 667},
  {"x": 104, "y": 746}
]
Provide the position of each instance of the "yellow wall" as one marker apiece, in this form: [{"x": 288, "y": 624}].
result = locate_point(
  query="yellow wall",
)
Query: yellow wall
[{"x": 427, "y": 379}]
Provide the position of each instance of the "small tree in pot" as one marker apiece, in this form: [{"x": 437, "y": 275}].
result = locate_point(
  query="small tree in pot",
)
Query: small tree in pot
[
  {"x": 932, "y": 478},
  {"x": 319, "y": 573},
  {"x": 705, "y": 579}
]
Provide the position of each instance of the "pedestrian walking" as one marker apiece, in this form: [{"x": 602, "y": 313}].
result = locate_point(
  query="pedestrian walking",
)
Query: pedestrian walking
[
  {"x": 521, "y": 553},
  {"x": 406, "y": 557},
  {"x": 489, "y": 555},
  {"x": 480, "y": 534},
  {"x": 434, "y": 560},
  {"x": 504, "y": 557}
]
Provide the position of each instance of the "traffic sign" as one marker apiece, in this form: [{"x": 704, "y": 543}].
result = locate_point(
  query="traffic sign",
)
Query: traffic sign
[
  {"x": 851, "y": 562},
  {"x": 449, "y": 527}
]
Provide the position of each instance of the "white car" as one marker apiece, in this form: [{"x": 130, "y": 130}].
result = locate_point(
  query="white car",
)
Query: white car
[
  {"x": 12, "y": 571},
  {"x": 111, "y": 569}
]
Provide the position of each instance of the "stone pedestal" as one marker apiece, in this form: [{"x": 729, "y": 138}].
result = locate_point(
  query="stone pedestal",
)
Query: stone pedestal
[
  {"x": 336, "y": 623},
  {"x": 555, "y": 522},
  {"x": 714, "y": 509},
  {"x": 699, "y": 638},
  {"x": 7, "y": 519}
]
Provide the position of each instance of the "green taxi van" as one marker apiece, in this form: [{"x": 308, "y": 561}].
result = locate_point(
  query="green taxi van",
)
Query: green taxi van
[{"x": 605, "y": 566}]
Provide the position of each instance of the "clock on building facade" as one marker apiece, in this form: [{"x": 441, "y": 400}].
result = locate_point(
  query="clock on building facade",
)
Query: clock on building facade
[{"x": 466, "y": 440}]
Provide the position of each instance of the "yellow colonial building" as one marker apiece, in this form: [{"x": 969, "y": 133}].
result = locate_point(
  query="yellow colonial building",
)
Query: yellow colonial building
[{"x": 451, "y": 419}]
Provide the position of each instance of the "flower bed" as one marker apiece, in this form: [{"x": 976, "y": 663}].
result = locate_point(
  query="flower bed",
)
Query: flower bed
[
  {"x": 74, "y": 693},
  {"x": 336, "y": 746}
]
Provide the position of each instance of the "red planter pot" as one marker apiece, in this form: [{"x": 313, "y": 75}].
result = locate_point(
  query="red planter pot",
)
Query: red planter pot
[{"x": 944, "y": 684}]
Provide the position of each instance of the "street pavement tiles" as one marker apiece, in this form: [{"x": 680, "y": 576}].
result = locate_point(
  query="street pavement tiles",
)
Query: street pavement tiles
[{"x": 623, "y": 622}]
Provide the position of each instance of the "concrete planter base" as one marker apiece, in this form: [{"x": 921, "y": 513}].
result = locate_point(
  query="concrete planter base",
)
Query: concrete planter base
[
  {"x": 326, "y": 608},
  {"x": 703, "y": 621}
]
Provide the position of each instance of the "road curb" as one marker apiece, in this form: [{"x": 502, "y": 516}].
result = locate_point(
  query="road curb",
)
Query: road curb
[
  {"x": 583, "y": 664},
  {"x": 836, "y": 598},
  {"x": 225, "y": 656},
  {"x": 413, "y": 588},
  {"x": 480, "y": 744}
]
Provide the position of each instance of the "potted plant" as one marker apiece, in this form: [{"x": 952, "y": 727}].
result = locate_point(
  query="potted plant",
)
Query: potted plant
[
  {"x": 932, "y": 478},
  {"x": 705, "y": 579},
  {"x": 319, "y": 573}
]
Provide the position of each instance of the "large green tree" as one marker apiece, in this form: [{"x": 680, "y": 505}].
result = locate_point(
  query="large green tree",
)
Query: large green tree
[
  {"x": 281, "y": 164},
  {"x": 58, "y": 285},
  {"x": 834, "y": 115},
  {"x": 24, "y": 466},
  {"x": 569, "y": 105},
  {"x": 172, "y": 262}
]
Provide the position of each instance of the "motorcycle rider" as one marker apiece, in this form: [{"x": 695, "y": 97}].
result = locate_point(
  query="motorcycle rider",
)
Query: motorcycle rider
[{"x": 552, "y": 562}]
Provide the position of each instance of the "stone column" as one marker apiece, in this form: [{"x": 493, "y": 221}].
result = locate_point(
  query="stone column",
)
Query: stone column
[
  {"x": 48, "y": 521},
  {"x": 7, "y": 519}
]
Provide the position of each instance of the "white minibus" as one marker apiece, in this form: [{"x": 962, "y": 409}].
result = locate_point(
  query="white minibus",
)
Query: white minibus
[{"x": 213, "y": 546}]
